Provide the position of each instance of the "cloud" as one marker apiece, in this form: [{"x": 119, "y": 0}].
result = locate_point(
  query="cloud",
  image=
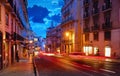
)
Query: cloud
[
  {"x": 60, "y": 3},
  {"x": 56, "y": 18},
  {"x": 42, "y": 12},
  {"x": 38, "y": 13},
  {"x": 40, "y": 28}
]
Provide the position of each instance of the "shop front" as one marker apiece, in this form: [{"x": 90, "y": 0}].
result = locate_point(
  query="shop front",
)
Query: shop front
[
  {"x": 88, "y": 50},
  {"x": 107, "y": 51}
]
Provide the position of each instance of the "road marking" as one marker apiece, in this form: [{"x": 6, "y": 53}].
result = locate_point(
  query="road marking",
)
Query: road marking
[{"x": 108, "y": 70}]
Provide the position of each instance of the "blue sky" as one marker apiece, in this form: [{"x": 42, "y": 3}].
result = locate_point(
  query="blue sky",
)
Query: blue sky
[{"x": 42, "y": 12}]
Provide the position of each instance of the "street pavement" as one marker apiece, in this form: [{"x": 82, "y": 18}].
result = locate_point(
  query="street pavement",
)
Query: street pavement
[
  {"x": 102, "y": 58},
  {"x": 77, "y": 66},
  {"x": 25, "y": 66},
  {"x": 22, "y": 68}
]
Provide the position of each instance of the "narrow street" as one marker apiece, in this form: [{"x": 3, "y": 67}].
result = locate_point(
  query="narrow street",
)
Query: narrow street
[{"x": 60, "y": 66}]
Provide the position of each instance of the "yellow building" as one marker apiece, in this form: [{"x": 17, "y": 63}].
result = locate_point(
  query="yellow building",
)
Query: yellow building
[{"x": 71, "y": 26}]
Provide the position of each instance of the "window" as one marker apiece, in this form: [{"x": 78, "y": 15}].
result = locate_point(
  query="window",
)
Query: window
[
  {"x": 96, "y": 36},
  {"x": 11, "y": 25},
  {"x": 6, "y": 18},
  {"x": 107, "y": 35},
  {"x": 0, "y": 14},
  {"x": 87, "y": 37},
  {"x": 107, "y": 16}
]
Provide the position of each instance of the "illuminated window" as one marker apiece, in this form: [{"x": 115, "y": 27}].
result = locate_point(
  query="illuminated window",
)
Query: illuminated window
[
  {"x": 95, "y": 50},
  {"x": 107, "y": 51},
  {"x": 87, "y": 50}
]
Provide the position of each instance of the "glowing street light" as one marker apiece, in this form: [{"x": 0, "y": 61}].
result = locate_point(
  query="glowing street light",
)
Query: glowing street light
[
  {"x": 67, "y": 34},
  {"x": 36, "y": 39},
  {"x": 31, "y": 41}
]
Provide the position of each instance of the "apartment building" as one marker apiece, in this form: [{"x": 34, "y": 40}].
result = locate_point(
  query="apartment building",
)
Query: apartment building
[
  {"x": 53, "y": 39},
  {"x": 71, "y": 26},
  {"x": 13, "y": 30},
  {"x": 101, "y": 27}
]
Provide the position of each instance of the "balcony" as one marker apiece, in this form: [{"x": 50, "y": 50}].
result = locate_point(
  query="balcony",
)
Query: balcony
[
  {"x": 95, "y": 27},
  {"x": 67, "y": 20},
  {"x": 67, "y": 12},
  {"x": 95, "y": 11},
  {"x": 86, "y": 29},
  {"x": 107, "y": 6},
  {"x": 107, "y": 26}
]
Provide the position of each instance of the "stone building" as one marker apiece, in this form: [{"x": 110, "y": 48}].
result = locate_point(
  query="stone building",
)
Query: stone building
[
  {"x": 101, "y": 27},
  {"x": 71, "y": 26},
  {"x": 53, "y": 39},
  {"x": 14, "y": 26}
]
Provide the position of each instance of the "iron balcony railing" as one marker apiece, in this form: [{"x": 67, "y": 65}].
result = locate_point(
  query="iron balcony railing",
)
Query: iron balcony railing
[
  {"x": 67, "y": 20},
  {"x": 86, "y": 29},
  {"x": 95, "y": 11},
  {"x": 95, "y": 27},
  {"x": 107, "y": 25},
  {"x": 107, "y": 6},
  {"x": 66, "y": 12}
]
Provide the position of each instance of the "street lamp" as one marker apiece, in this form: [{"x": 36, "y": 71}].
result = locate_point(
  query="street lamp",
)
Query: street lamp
[{"x": 67, "y": 34}]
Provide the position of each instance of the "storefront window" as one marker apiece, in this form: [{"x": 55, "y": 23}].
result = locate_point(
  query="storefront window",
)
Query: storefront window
[
  {"x": 88, "y": 50},
  {"x": 107, "y": 51}
]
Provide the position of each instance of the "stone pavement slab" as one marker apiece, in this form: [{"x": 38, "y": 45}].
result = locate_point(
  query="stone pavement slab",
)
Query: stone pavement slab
[{"x": 22, "y": 68}]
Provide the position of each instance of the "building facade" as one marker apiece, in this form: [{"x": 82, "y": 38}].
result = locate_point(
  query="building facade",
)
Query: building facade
[
  {"x": 101, "y": 27},
  {"x": 53, "y": 39},
  {"x": 13, "y": 30},
  {"x": 71, "y": 26}
]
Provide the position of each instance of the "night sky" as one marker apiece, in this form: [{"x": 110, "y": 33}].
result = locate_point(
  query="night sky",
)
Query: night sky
[{"x": 42, "y": 12}]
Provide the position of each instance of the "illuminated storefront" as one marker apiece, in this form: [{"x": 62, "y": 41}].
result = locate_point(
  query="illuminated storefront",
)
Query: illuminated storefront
[
  {"x": 87, "y": 50},
  {"x": 108, "y": 51}
]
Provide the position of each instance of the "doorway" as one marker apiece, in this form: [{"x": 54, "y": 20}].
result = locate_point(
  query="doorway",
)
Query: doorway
[{"x": 107, "y": 51}]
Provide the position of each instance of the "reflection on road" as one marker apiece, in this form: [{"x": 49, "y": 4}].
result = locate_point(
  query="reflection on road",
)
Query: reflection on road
[{"x": 64, "y": 66}]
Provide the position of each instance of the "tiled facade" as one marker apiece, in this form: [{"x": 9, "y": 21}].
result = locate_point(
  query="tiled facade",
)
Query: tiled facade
[
  {"x": 101, "y": 29},
  {"x": 13, "y": 29}
]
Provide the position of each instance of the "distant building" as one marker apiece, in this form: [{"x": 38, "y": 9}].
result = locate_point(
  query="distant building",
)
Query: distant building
[{"x": 53, "y": 39}]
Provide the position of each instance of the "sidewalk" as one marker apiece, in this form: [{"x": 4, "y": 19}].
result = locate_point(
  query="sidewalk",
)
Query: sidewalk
[{"x": 22, "y": 68}]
